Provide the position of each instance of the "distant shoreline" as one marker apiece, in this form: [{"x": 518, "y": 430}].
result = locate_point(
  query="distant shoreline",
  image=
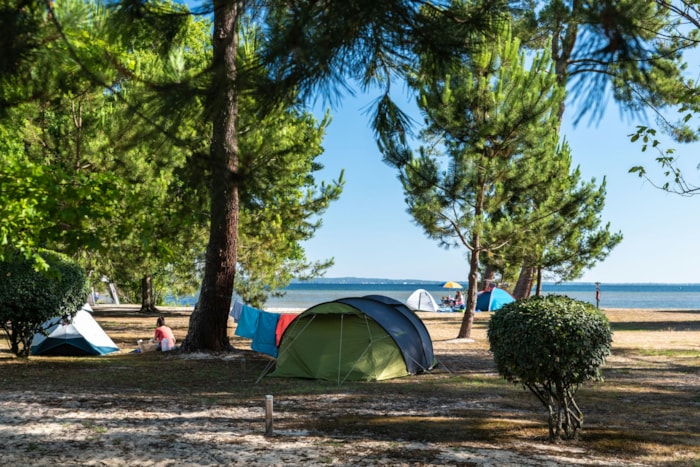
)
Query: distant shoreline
[
  {"x": 369, "y": 280},
  {"x": 188, "y": 309}
]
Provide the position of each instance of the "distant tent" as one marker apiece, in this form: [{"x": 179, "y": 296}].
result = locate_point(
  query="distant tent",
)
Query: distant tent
[
  {"x": 358, "y": 338},
  {"x": 492, "y": 300},
  {"x": 82, "y": 336},
  {"x": 421, "y": 300}
]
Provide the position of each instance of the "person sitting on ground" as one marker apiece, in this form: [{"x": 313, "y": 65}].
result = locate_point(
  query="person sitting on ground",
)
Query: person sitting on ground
[{"x": 164, "y": 335}]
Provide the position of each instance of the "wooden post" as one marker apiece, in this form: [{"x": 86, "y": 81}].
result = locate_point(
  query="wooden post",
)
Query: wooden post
[{"x": 268, "y": 415}]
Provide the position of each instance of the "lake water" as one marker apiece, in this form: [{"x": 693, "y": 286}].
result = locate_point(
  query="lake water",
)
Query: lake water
[{"x": 663, "y": 296}]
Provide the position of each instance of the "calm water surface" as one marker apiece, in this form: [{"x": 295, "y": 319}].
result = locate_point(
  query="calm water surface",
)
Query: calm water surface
[{"x": 662, "y": 296}]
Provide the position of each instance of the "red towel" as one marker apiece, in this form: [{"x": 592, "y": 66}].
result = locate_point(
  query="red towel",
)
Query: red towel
[{"x": 285, "y": 319}]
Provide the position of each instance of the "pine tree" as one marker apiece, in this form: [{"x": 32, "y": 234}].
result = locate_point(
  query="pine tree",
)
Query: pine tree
[
  {"x": 490, "y": 124},
  {"x": 565, "y": 235}
]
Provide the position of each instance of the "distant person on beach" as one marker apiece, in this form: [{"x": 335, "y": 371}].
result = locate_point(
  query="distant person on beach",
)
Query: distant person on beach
[
  {"x": 458, "y": 298},
  {"x": 164, "y": 335}
]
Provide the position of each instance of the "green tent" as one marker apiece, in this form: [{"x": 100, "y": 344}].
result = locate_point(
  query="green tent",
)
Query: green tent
[{"x": 358, "y": 338}]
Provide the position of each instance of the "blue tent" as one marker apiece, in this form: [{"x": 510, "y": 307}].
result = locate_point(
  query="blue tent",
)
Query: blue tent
[{"x": 492, "y": 300}]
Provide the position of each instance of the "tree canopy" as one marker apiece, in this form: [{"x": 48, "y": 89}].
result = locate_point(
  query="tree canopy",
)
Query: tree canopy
[{"x": 142, "y": 122}]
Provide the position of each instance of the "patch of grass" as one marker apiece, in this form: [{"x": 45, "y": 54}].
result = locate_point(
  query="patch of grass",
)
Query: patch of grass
[
  {"x": 652, "y": 445},
  {"x": 445, "y": 429},
  {"x": 412, "y": 456},
  {"x": 90, "y": 425},
  {"x": 679, "y": 326},
  {"x": 334, "y": 443},
  {"x": 670, "y": 353}
]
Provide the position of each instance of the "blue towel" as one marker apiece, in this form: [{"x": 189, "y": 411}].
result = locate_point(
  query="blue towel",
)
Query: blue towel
[
  {"x": 248, "y": 322},
  {"x": 264, "y": 340},
  {"x": 236, "y": 309}
]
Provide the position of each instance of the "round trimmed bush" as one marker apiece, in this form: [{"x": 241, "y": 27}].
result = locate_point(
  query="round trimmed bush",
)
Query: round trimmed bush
[
  {"x": 551, "y": 345},
  {"x": 29, "y": 296}
]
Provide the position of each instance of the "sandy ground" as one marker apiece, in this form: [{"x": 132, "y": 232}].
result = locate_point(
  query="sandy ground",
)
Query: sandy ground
[
  {"x": 43, "y": 428},
  {"x": 75, "y": 432}
]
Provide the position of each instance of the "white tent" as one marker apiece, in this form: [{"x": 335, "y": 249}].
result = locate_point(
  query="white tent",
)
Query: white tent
[
  {"x": 421, "y": 300},
  {"x": 82, "y": 336}
]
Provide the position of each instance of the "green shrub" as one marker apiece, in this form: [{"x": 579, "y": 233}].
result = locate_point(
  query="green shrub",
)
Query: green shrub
[
  {"x": 29, "y": 297},
  {"x": 551, "y": 345}
]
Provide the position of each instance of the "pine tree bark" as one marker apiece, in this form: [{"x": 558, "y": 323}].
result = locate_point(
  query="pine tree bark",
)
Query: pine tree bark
[
  {"x": 465, "y": 330},
  {"x": 208, "y": 322},
  {"x": 525, "y": 280}
]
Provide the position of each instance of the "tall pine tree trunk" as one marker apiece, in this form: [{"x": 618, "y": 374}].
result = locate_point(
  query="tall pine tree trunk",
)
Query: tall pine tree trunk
[
  {"x": 208, "y": 322},
  {"x": 465, "y": 330},
  {"x": 148, "y": 302},
  {"x": 525, "y": 280},
  {"x": 538, "y": 290}
]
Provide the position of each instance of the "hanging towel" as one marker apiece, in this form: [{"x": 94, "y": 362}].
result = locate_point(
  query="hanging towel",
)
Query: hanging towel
[
  {"x": 236, "y": 310},
  {"x": 248, "y": 322},
  {"x": 264, "y": 338},
  {"x": 285, "y": 319}
]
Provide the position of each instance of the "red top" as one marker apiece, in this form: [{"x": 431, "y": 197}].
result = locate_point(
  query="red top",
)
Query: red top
[{"x": 164, "y": 332}]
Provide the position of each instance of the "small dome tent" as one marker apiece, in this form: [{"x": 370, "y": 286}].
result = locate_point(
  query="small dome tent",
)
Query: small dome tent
[
  {"x": 79, "y": 337},
  {"x": 421, "y": 300},
  {"x": 493, "y": 299},
  {"x": 367, "y": 338}
]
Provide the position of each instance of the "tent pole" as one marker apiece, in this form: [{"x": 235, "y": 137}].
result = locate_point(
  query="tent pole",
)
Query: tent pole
[
  {"x": 340, "y": 347},
  {"x": 266, "y": 370}
]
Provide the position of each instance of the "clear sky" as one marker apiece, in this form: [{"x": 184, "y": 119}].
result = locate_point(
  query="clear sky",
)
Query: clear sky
[{"x": 370, "y": 235}]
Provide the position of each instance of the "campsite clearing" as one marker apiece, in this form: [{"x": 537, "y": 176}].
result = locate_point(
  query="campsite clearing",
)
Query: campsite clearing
[{"x": 203, "y": 409}]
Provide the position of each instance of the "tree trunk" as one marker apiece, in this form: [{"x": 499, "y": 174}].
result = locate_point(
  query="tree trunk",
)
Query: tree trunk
[
  {"x": 538, "y": 290},
  {"x": 148, "y": 303},
  {"x": 465, "y": 330},
  {"x": 113, "y": 293},
  {"x": 208, "y": 322},
  {"x": 525, "y": 280},
  {"x": 14, "y": 340}
]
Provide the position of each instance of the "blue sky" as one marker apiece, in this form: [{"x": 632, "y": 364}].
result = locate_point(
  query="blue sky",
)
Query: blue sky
[{"x": 369, "y": 233}]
